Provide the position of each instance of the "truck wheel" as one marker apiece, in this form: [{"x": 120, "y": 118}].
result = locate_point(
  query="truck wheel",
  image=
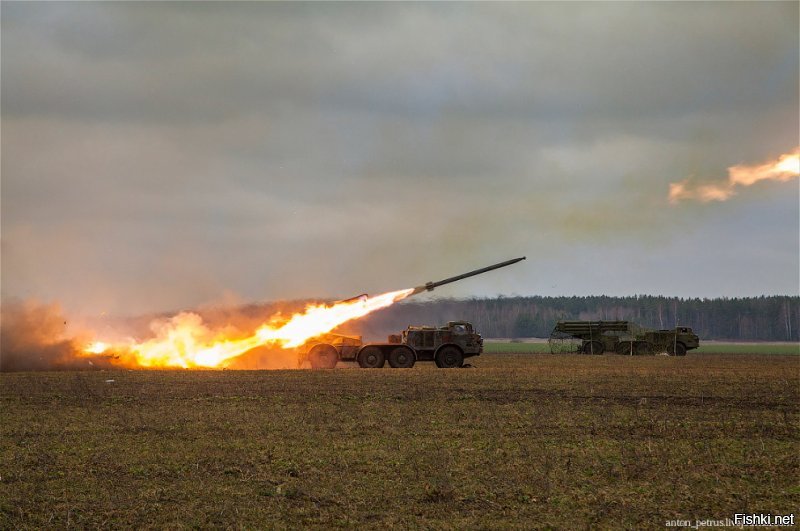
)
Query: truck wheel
[
  {"x": 401, "y": 358},
  {"x": 678, "y": 349},
  {"x": 323, "y": 357},
  {"x": 449, "y": 358},
  {"x": 371, "y": 358},
  {"x": 624, "y": 348},
  {"x": 642, "y": 348},
  {"x": 593, "y": 347}
]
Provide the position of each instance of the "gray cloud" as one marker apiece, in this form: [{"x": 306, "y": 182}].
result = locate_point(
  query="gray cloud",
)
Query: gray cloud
[{"x": 161, "y": 155}]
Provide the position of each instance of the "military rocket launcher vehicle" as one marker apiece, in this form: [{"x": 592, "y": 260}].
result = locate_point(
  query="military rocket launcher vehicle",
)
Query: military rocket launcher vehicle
[
  {"x": 446, "y": 345},
  {"x": 622, "y": 337}
]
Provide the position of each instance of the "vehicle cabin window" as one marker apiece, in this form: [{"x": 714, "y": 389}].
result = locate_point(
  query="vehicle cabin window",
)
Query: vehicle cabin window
[{"x": 460, "y": 329}]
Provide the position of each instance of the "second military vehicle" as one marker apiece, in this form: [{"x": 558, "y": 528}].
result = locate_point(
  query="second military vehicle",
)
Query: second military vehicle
[
  {"x": 622, "y": 337},
  {"x": 447, "y": 345}
]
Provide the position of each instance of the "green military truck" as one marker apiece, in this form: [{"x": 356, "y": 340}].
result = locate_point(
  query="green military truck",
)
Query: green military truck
[
  {"x": 622, "y": 337},
  {"x": 447, "y": 346}
]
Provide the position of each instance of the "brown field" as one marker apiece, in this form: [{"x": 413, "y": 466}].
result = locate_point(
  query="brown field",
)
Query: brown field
[{"x": 521, "y": 441}]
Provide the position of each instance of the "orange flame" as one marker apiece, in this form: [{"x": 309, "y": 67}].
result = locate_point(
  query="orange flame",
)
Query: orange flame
[
  {"x": 785, "y": 168},
  {"x": 185, "y": 341}
]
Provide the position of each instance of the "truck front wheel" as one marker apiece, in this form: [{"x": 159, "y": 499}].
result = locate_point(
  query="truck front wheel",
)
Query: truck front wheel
[
  {"x": 401, "y": 358},
  {"x": 323, "y": 357},
  {"x": 371, "y": 358},
  {"x": 678, "y": 349},
  {"x": 449, "y": 358}
]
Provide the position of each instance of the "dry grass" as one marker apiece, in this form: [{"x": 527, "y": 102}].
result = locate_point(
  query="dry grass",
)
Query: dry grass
[{"x": 521, "y": 441}]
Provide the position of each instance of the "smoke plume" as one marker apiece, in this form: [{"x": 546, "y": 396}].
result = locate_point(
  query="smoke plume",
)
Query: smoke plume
[{"x": 33, "y": 337}]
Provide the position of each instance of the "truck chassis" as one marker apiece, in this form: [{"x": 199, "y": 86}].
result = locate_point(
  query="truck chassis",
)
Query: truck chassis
[{"x": 447, "y": 346}]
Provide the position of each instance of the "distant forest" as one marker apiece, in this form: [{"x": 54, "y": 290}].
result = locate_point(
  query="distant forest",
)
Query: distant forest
[{"x": 773, "y": 318}]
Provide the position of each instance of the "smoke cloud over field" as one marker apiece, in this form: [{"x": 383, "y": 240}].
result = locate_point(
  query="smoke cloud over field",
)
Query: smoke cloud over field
[{"x": 34, "y": 336}]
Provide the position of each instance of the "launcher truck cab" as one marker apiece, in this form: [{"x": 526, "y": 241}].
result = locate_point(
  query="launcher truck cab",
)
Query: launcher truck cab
[{"x": 447, "y": 346}]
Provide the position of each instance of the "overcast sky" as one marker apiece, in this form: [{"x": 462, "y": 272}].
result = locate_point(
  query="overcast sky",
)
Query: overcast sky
[{"x": 159, "y": 156}]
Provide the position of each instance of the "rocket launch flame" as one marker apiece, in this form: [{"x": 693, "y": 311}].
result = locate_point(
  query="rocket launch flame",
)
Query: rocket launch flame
[
  {"x": 785, "y": 168},
  {"x": 184, "y": 341}
]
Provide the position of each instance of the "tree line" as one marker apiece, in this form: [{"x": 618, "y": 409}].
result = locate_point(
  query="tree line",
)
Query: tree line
[{"x": 765, "y": 318}]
